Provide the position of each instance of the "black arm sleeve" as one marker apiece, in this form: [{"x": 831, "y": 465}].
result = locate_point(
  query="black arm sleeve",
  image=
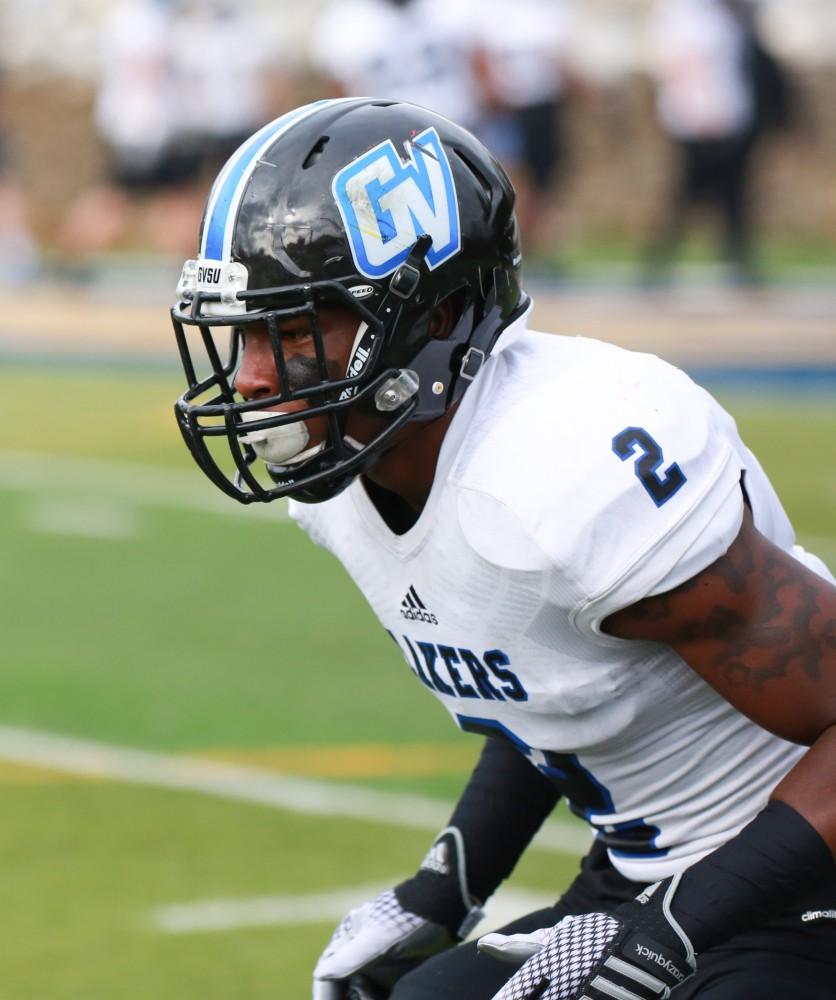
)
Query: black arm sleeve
[
  {"x": 753, "y": 877},
  {"x": 502, "y": 806}
]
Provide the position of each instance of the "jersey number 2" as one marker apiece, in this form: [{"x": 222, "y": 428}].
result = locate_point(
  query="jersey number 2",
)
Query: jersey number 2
[{"x": 660, "y": 487}]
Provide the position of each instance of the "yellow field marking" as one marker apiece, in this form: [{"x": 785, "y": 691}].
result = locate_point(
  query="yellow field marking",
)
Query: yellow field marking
[
  {"x": 376, "y": 760},
  {"x": 26, "y": 774}
]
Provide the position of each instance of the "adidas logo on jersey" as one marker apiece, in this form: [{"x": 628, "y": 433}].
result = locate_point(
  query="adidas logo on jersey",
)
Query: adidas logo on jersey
[{"x": 414, "y": 609}]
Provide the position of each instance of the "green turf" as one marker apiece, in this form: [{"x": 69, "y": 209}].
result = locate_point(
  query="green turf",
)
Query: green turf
[
  {"x": 794, "y": 441},
  {"x": 106, "y": 413},
  {"x": 199, "y": 631}
]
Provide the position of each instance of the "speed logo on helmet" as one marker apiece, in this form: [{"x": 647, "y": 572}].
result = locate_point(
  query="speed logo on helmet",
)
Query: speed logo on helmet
[{"x": 387, "y": 202}]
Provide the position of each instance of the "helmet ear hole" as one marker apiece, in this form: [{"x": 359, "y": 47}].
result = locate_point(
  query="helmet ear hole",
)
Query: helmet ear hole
[
  {"x": 443, "y": 319},
  {"x": 446, "y": 314}
]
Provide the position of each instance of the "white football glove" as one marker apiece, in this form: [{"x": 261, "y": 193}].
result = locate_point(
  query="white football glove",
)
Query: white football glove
[
  {"x": 514, "y": 948},
  {"x": 637, "y": 953},
  {"x": 382, "y": 941},
  {"x": 379, "y": 936}
]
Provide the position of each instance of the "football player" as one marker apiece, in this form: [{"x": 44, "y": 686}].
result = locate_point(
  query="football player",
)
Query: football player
[{"x": 570, "y": 545}]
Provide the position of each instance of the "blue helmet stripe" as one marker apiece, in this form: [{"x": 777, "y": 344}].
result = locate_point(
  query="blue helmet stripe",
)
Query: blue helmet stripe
[{"x": 226, "y": 194}]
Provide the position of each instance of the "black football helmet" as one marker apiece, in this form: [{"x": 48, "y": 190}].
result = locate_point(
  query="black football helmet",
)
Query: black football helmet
[{"x": 383, "y": 207}]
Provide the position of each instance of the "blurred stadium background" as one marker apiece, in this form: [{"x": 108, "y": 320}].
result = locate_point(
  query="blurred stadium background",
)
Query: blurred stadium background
[{"x": 207, "y": 747}]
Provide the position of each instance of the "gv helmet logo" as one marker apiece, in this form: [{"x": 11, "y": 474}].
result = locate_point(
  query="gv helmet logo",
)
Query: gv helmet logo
[{"x": 387, "y": 202}]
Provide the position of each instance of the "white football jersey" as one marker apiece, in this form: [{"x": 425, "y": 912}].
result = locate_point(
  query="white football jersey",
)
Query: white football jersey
[{"x": 575, "y": 479}]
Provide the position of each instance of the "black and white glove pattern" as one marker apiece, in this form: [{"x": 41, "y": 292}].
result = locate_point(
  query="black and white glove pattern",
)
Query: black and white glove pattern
[
  {"x": 378, "y": 934},
  {"x": 637, "y": 953},
  {"x": 382, "y": 940}
]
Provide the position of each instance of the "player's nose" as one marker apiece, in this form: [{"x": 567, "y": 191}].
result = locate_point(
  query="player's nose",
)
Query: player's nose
[{"x": 256, "y": 376}]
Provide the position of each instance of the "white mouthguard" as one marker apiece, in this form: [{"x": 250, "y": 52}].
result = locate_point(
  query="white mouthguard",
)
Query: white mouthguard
[{"x": 278, "y": 445}]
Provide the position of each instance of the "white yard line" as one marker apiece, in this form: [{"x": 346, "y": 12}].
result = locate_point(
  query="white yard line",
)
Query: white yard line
[
  {"x": 228, "y": 781},
  {"x": 89, "y": 517},
  {"x": 261, "y": 911},
  {"x": 130, "y": 482},
  {"x": 218, "y": 915}
]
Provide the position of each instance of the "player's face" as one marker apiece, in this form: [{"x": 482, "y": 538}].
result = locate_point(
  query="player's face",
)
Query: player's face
[{"x": 258, "y": 378}]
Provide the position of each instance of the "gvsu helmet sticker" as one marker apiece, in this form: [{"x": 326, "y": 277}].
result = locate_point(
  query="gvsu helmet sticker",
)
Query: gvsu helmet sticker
[{"x": 387, "y": 202}]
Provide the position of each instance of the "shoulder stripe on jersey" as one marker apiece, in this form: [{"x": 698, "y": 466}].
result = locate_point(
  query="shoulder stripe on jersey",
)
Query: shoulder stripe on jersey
[{"x": 225, "y": 198}]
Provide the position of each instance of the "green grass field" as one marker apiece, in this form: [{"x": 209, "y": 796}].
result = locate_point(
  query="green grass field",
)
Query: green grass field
[{"x": 141, "y": 611}]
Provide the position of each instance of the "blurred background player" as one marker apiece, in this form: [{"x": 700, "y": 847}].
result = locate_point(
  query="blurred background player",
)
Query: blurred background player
[
  {"x": 227, "y": 67},
  {"x": 409, "y": 50},
  {"x": 501, "y": 69},
  {"x": 180, "y": 85},
  {"x": 134, "y": 118},
  {"x": 522, "y": 60},
  {"x": 717, "y": 91}
]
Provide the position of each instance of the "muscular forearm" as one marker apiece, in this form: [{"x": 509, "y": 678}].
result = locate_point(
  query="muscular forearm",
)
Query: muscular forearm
[{"x": 810, "y": 787}]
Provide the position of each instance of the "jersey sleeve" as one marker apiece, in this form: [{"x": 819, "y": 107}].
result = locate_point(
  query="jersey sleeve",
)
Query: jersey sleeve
[
  {"x": 632, "y": 487},
  {"x": 662, "y": 506},
  {"x": 661, "y": 560}
]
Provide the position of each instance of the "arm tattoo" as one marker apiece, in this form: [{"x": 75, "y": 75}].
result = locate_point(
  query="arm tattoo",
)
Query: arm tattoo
[
  {"x": 756, "y": 615},
  {"x": 775, "y": 635}
]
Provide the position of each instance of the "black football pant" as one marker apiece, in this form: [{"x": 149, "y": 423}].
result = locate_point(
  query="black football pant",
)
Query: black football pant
[{"x": 789, "y": 959}]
